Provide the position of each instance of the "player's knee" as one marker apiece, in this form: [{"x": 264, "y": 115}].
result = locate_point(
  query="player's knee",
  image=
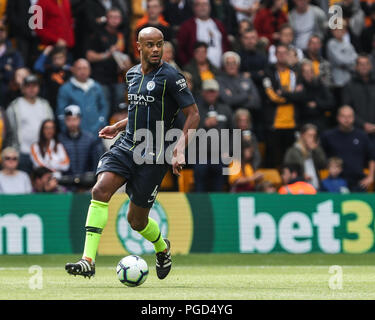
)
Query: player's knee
[
  {"x": 136, "y": 224},
  {"x": 100, "y": 193}
]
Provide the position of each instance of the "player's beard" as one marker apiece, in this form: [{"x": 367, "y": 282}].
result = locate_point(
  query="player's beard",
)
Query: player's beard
[{"x": 154, "y": 63}]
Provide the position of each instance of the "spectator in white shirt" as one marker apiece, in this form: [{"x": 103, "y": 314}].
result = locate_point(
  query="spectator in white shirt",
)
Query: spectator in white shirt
[
  {"x": 306, "y": 20},
  {"x": 25, "y": 115},
  {"x": 48, "y": 151}
]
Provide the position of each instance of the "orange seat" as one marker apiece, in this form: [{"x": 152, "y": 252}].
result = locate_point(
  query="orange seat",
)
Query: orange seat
[
  {"x": 271, "y": 175},
  {"x": 262, "y": 149},
  {"x": 371, "y": 188},
  {"x": 323, "y": 173},
  {"x": 186, "y": 180},
  {"x": 167, "y": 183}
]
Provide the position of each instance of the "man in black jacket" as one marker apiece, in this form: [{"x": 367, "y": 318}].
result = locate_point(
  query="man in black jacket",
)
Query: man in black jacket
[
  {"x": 359, "y": 93},
  {"x": 280, "y": 113},
  {"x": 313, "y": 99},
  {"x": 83, "y": 149}
]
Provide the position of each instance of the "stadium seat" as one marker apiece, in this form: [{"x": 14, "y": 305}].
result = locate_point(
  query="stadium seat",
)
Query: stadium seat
[
  {"x": 371, "y": 188},
  {"x": 271, "y": 175},
  {"x": 186, "y": 180},
  {"x": 323, "y": 174},
  {"x": 262, "y": 149},
  {"x": 168, "y": 182}
]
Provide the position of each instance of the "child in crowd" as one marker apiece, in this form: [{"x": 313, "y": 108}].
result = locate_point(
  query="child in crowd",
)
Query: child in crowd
[
  {"x": 53, "y": 66},
  {"x": 334, "y": 183}
]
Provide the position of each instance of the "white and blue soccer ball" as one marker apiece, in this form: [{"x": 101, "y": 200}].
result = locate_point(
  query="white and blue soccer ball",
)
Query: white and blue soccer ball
[{"x": 132, "y": 271}]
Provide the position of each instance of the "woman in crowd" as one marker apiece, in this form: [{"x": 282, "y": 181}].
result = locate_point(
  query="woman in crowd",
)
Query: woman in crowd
[
  {"x": 48, "y": 151},
  {"x": 242, "y": 177},
  {"x": 307, "y": 153}
]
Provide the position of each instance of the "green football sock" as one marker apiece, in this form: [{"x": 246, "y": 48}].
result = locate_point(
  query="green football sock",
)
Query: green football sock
[
  {"x": 97, "y": 217},
  {"x": 152, "y": 233}
]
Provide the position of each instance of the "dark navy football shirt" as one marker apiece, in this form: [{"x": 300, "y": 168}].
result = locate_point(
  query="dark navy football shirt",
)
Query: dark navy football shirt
[{"x": 156, "y": 96}]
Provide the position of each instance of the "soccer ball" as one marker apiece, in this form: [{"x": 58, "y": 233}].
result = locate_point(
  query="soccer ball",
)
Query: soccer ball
[{"x": 132, "y": 271}]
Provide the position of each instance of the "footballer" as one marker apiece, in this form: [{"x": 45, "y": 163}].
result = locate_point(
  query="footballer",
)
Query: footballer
[{"x": 156, "y": 93}]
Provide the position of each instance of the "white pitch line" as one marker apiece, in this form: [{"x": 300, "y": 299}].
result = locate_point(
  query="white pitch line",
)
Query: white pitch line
[{"x": 200, "y": 266}]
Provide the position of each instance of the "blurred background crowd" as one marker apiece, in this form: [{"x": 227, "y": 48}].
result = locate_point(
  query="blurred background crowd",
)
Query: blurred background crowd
[{"x": 295, "y": 79}]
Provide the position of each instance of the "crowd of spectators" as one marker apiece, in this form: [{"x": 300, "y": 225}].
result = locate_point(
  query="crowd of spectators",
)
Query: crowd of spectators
[{"x": 296, "y": 80}]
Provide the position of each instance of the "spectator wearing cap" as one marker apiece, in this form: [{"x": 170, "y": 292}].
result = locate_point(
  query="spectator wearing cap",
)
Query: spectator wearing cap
[
  {"x": 48, "y": 151},
  {"x": 83, "y": 149},
  {"x": 86, "y": 93},
  {"x": 215, "y": 115},
  {"x": 13, "y": 181},
  {"x": 10, "y": 60},
  {"x": 25, "y": 115},
  {"x": 236, "y": 89}
]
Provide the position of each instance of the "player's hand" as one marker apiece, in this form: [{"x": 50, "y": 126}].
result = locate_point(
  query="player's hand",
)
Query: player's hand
[
  {"x": 108, "y": 132},
  {"x": 178, "y": 162}
]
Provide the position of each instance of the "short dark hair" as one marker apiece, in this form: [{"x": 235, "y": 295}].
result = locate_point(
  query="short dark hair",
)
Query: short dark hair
[
  {"x": 293, "y": 167},
  {"x": 200, "y": 44},
  {"x": 362, "y": 55},
  {"x": 59, "y": 50},
  {"x": 286, "y": 26},
  {"x": 281, "y": 45},
  {"x": 40, "y": 172}
]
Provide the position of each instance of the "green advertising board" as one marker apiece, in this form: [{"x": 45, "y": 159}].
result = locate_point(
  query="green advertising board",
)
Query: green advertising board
[
  {"x": 246, "y": 223},
  {"x": 264, "y": 223}
]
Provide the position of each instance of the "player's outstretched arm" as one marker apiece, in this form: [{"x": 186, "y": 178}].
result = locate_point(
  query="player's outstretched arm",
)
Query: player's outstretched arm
[
  {"x": 110, "y": 132},
  {"x": 192, "y": 121}
]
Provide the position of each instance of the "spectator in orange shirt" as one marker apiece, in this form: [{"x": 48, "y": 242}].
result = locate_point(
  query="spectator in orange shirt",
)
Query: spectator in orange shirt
[
  {"x": 152, "y": 18},
  {"x": 292, "y": 176}
]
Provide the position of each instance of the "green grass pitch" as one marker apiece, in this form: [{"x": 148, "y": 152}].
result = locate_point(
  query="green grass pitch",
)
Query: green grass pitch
[{"x": 197, "y": 276}]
